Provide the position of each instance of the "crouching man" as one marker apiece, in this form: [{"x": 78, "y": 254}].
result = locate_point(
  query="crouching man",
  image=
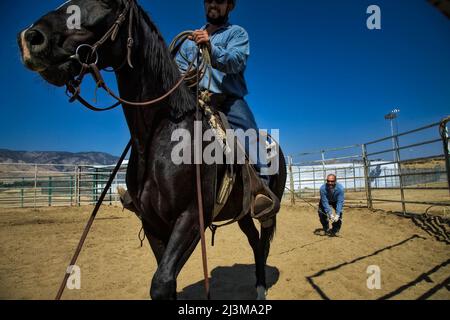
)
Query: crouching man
[{"x": 331, "y": 197}]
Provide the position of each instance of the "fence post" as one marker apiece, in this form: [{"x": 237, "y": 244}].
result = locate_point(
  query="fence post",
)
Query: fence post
[
  {"x": 314, "y": 180},
  {"x": 110, "y": 191},
  {"x": 292, "y": 185},
  {"x": 299, "y": 181},
  {"x": 22, "y": 192},
  {"x": 35, "y": 184},
  {"x": 50, "y": 191},
  {"x": 323, "y": 166},
  {"x": 385, "y": 178},
  {"x": 366, "y": 177},
  {"x": 354, "y": 177},
  {"x": 78, "y": 187},
  {"x": 71, "y": 187},
  {"x": 94, "y": 185},
  {"x": 444, "y": 134},
  {"x": 402, "y": 188},
  {"x": 393, "y": 180}
]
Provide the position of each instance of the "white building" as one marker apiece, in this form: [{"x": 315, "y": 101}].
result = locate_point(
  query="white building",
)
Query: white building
[{"x": 350, "y": 175}]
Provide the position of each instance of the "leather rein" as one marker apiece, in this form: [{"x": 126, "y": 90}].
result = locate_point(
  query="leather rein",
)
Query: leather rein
[{"x": 89, "y": 66}]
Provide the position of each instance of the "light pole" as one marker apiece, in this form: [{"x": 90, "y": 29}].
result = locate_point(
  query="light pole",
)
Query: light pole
[{"x": 391, "y": 116}]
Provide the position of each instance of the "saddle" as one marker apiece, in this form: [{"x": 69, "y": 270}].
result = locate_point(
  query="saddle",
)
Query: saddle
[
  {"x": 253, "y": 188},
  {"x": 258, "y": 199}
]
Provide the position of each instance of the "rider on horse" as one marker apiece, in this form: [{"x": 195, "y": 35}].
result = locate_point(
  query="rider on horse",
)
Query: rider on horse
[{"x": 229, "y": 50}]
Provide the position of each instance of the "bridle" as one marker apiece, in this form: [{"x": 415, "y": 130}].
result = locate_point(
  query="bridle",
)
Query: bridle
[{"x": 89, "y": 66}]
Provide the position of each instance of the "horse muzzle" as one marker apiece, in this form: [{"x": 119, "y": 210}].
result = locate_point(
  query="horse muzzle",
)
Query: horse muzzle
[{"x": 32, "y": 43}]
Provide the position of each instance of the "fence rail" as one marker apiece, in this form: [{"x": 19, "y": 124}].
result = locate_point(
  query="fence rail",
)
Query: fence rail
[
  {"x": 35, "y": 185},
  {"x": 411, "y": 181}
]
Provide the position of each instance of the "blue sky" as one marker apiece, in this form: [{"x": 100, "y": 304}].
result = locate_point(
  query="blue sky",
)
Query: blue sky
[{"x": 315, "y": 72}]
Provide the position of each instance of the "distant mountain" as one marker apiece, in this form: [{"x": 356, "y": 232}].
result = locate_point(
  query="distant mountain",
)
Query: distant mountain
[{"x": 54, "y": 157}]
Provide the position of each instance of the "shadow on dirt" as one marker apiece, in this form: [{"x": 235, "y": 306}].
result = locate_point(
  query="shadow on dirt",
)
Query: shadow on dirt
[{"x": 230, "y": 283}]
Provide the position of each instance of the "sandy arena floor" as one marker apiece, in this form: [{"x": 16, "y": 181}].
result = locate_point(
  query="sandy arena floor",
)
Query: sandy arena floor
[{"x": 37, "y": 246}]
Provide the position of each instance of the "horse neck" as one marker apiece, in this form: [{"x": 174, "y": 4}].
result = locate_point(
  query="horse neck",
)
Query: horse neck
[{"x": 154, "y": 74}]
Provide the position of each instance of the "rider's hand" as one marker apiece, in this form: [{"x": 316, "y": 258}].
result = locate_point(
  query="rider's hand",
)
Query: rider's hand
[{"x": 200, "y": 37}]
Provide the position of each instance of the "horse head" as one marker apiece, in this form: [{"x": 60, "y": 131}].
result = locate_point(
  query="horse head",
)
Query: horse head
[{"x": 49, "y": 45}]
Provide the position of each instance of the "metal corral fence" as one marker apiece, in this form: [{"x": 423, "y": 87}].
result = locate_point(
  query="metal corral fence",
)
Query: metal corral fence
[
  {"x": 406, "y": 172},
  {"x": 38, "y": 185}
]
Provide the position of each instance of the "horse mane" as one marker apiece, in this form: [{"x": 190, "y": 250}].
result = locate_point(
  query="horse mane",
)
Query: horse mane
[{"x": 158, "y": 64}]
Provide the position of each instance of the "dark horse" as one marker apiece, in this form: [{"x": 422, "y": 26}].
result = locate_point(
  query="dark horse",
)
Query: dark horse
[{"x": 164, "y": 193}]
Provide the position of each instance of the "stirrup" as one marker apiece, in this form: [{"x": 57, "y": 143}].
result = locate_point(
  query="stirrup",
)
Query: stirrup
[{"x": 264, "y": 207}]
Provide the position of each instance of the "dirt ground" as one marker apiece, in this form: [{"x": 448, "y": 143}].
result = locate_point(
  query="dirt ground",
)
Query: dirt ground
[{"x": 36, "y": 247}]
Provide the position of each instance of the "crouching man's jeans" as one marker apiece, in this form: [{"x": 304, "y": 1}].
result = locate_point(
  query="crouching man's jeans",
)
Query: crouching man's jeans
[{"x": 324, "y": 218}]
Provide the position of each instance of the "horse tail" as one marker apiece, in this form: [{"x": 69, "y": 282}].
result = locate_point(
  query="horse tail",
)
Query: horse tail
[
  {"x": 271, "y": 230},
  {"x": 277, "y": 185}
]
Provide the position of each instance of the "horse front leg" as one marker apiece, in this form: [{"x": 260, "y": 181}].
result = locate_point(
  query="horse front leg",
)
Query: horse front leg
[
  {"x": 183, "y": 240},
  {"x": 248, "y": 227},
  {"x": 158, "y": 246},
  {"x": 261, "y": 246}
]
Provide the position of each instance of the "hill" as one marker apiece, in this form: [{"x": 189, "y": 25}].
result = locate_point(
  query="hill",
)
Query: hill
[{"x": 13, "y": 159}]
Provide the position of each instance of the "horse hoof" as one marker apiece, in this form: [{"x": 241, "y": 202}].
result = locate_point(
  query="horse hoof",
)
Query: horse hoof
[{"x": 261, "y": 293}]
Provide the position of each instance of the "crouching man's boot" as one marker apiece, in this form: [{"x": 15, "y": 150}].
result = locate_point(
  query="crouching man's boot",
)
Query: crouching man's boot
[{"x": 126, "y": 201}]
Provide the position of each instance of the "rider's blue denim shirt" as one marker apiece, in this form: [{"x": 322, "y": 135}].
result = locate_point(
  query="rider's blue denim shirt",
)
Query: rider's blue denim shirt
[
  {"x": 230, "y": 50},
  {"x": 337, "y": 196}
]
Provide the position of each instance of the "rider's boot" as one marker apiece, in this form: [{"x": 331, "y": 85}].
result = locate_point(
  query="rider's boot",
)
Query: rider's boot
[
  {"x": 265, "y": 204},
  {"x": 126, "y": 200}
]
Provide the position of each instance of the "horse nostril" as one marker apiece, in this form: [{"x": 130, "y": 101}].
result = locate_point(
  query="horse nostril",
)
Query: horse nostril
[{"x": 35, "y": 38}]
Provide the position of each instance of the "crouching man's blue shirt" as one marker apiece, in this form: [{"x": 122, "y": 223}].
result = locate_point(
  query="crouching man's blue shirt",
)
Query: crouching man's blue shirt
[
  {"x": 230, "y": 50},
  {"x": 336, "y": 196}
]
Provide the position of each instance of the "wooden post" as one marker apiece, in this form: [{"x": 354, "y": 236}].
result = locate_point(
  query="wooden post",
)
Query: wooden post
[
  {"x": 292, "y": 185},
  {"x": 299, "y": 181},
  {"x": 324, "y": 173},
  {"x": 446, "y": 145},
  {"x": 22, "y": 193},
  {"x": 399, "y": 165},
  {"x": 335, "y": 173},
  {"x": 94, "y": 185},
  {"x": 50, "y": 186},
  {"x": 323, "y": 165},
  {"x": 78, "y": 187},
  {"x": 110, "y": 191},
  {"x": 35, "y": 184},
  {"x": 71, "y": 187},
  {"x": 366, "y": 177},
  {"x": 314, "y": 181},
  {"x": 345, "y": 178}
]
